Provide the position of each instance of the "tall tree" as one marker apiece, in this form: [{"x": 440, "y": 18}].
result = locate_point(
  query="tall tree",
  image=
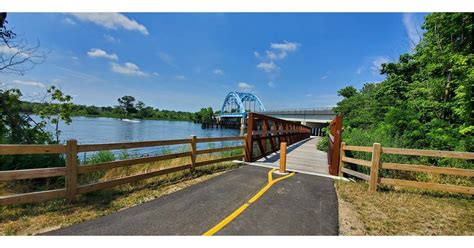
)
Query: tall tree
[
  {"x": 127, "y": 103},
  {"x": 427, "y": 99}
]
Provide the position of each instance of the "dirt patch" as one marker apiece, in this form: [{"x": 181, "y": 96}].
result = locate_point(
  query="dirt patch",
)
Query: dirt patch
[{"x": 349, "y": 220}]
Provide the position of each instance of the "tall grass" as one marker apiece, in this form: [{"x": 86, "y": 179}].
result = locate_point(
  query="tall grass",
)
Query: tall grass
[{"x": 107, "y": 156}]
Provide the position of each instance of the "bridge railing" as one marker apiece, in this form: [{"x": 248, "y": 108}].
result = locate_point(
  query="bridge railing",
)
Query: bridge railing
[
  {"x": 298, "y": 110},
  {"x": 265, "y": 133},
  {"x": 72, "y": 169}
]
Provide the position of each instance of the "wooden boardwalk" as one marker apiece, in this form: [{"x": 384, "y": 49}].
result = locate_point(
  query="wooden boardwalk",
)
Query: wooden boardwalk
[{"x": 302, "y": 157}]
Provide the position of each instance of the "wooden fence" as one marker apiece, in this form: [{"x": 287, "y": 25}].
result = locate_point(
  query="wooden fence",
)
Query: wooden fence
[
  {"x": 72, "y": 169},
  {"x": 375, "y": 165},
  {"x": 266, "y": 133}
]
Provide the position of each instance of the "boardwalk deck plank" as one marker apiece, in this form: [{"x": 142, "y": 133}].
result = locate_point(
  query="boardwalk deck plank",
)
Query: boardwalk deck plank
[{"x": 302, "y": 156}]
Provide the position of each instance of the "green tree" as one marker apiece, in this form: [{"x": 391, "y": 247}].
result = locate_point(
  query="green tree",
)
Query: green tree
[
  {"x": 426, "y": 100},
  {"x": 347, "y": 92},
  {"x": 16, "y": 125},
  {"x": 204, "y": 115},
  {"x": 58, "y": 107},
  {"x": 127, "y": 103}
]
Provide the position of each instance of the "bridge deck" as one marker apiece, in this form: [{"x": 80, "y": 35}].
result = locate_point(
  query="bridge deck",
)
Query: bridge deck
[{"x": 301, "y": 157}]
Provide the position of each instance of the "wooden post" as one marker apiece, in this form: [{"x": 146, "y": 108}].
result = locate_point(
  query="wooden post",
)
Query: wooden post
[
  {"x": 375, "y": 165},
  {"x": 71, "y": 170},
  {"x": 244, "y": 149},
  {"x": 341, "y": 155},
  {"x": 283, "y": 157},
  {"x": 193, "y": 151},
  {"x": 249, "y": 141}
]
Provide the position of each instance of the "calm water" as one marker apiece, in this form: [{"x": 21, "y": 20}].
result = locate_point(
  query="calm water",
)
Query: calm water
[{"x": 93, "y": 130}]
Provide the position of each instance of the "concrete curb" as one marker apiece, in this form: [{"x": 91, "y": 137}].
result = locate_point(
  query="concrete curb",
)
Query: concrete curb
[{"x": 298, "y": 171}]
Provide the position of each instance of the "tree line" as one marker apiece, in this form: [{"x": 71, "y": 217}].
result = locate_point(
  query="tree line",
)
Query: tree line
[
  {"x": 126, "y": 108},
  {"x": 427, "y": 98}
]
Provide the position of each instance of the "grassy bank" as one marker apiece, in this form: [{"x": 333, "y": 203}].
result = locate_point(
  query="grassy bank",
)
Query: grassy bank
[
  {"x": 402, "y": 212},
  {"x": 28, "y": 219}
]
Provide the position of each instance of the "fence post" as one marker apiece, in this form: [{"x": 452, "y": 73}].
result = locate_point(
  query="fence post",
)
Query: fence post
[
  {"x": 283, "y": 157},
  {"x": 71, "y": 170},
  {"x": 193, "y": 151},
  {"x": 375, "y": 165},
  {"x": 341, "y": 155},
  {"x": 249, "y": 141}
]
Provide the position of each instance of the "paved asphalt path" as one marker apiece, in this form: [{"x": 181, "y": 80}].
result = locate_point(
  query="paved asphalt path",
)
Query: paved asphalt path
[{"x": 299, "y": 205}]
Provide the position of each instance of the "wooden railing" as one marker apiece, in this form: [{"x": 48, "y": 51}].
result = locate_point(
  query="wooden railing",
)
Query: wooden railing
[
  {"x": 265, "y": 133},
  {"x": 375, "y": 164},
  {"x": 72, "y": 169}
]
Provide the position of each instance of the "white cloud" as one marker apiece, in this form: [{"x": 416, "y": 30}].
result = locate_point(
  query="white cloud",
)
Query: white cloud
[
  {"x": 180, "y": 77},
  {"x": 377, "y": 63},
  {"x": 271, "y": 84},
  {"x": 29, "y": 83},
  {"x": 267, "y": 67},
  {"x": 6, "y": 50},
  {"x": 309, "y": 95},
  {"x": 111, "y": 21},
  {"x": 218, "y": 72},
  {"x": 273, "y": 55},
  {"x": 245, "y": 86},
  {"x": 69, "y": 21},
  {"x": 168, "y": 59},
  {"x": 412, "y": 30},
  {"x": 277, "y": 51},
  {"x": 360, "y": 70},
  {"x": 156, "y": 74},
  {"x": 127, "y": 69},
  {"x": 324, "y": 77},
  {"x": 285, "y": 46},
  {"x": 111, "y": 39},
  {"x": 99, "y": 53}
]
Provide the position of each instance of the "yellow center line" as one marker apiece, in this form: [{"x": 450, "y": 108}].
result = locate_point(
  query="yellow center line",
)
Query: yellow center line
[{"x": 242, "y": 208}]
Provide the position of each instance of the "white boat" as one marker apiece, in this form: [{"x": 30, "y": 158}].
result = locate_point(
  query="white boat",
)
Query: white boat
[{"x": 128, "y": 120}]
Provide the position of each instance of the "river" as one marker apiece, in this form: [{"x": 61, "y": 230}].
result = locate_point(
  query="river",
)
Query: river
[{"x": 95, "y": 130}]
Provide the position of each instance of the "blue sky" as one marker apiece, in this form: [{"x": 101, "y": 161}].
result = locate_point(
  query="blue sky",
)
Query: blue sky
[{"x": 188, "y": 61}]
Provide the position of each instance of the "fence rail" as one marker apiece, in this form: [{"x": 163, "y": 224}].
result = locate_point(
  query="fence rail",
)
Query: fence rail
[
  {"x": 72, "y": 169},
  {"x": 265, "y": 133},
  {"x": 375, "y": 165}
]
